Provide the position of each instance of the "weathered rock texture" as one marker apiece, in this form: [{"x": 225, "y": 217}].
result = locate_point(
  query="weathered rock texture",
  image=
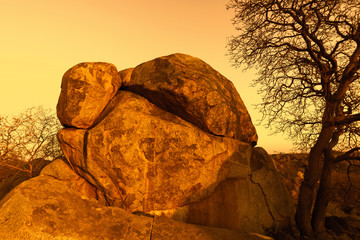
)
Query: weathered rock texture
[
  {"x": 191, "y": 89},
  {"x": 149, "y": 159},
  {"x": 174, "y": 140},
  {"x": 246, "y": 203},
  {"x": 85, "y": 90},
  {"x": 125, "y": 76},
  {"x": 159, "y": 146},
  {"x": 51, "y": 207},
  {"x": 47, "y": 208},
  {"x": 165, "y": 228}
]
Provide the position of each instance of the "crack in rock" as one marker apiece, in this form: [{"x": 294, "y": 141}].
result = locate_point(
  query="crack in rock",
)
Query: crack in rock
[{"x": 265, "y": 198}]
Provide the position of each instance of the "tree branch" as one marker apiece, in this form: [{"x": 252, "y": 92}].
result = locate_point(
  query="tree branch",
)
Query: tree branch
[
  {"x": 348, "y": 155},
  {"x": 342, "y": 120}
]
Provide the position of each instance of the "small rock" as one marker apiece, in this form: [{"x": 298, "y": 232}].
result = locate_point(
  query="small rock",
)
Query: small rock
[{"x": 85, "y": 91}]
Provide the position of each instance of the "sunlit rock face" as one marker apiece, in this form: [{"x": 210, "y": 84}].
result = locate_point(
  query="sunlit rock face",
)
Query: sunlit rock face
[
  {"x": 253, "y": 203},
  {"x": 85, "y": 90},
  {"x": 148, "y": 159},
  {"x": 177, "y": 140},
  {"x": 170, "y": 138},
  {"x": 59, "y": 204},
  {"x": 191, "y": 89}
]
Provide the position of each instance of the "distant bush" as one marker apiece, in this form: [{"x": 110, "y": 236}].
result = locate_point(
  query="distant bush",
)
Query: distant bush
[{"x": 28, "y": 136}]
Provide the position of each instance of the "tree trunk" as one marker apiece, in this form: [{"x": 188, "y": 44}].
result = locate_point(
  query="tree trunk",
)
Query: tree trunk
[
  {"x": 307, "y": 192},
  {"x": 311, "y": 177},
  {"x": 323, "y": 196}
]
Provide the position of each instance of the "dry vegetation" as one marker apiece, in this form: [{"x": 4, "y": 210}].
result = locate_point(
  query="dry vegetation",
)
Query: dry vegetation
[
  {"x": 345, "y": 179},
  {"x": 27, "y": 143}
]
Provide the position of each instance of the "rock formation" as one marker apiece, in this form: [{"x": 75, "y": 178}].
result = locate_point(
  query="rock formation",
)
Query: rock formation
[
  {"x": 170, "y": 137},
  {"x": 85, "y": 91},
  {"x": 191, "y": 89},
  {"x": 59, "y": 205},
  {"x": 148, "y": 159}
]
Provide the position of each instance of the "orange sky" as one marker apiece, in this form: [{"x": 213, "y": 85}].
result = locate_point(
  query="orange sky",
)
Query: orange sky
[{"x": 41, "y": 39}]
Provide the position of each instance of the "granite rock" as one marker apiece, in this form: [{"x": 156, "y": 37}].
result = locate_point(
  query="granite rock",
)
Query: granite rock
[
  {"x": 85, "y": 91},
  {"x": 188, "y": 87}
]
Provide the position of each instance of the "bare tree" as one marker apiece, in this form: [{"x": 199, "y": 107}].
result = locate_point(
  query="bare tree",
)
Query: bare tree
[
  {"x": 29, "y": 136},
  {"x": 307, "y": 54}
]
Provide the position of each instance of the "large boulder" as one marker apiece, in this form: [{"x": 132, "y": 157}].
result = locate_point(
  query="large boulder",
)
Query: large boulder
[
  {"x": 190, "y": 88},
  {"x": 47, "y": 208},
  {"x": 174, "y": 141},
  {"x": 52, "y": 207},
  {"x": 85, "y": 91},
  {"x": 62, "y": 171},
  {"x": 255, "y": 203},
  {"x": 265, "y": 175},
  {"x": 146, "y": 159}
]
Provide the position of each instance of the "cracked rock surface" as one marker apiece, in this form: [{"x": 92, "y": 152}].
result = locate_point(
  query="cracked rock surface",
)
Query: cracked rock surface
[
  {"x": 192, "y": 89},
  {"x": 170, "y": 141},
  {"x": 52, "y": 206},
  {"x": 85, "y": 90}
]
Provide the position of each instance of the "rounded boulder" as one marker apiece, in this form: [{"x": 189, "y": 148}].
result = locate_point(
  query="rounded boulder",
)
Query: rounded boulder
[{"x": 86, "y": 89}]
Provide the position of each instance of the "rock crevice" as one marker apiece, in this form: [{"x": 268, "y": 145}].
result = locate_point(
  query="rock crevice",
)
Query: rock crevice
[{"x": 171, "y": 138}]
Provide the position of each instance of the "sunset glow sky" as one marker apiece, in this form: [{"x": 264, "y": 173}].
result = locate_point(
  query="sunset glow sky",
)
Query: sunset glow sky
[{"x": 41, "y": 39}]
